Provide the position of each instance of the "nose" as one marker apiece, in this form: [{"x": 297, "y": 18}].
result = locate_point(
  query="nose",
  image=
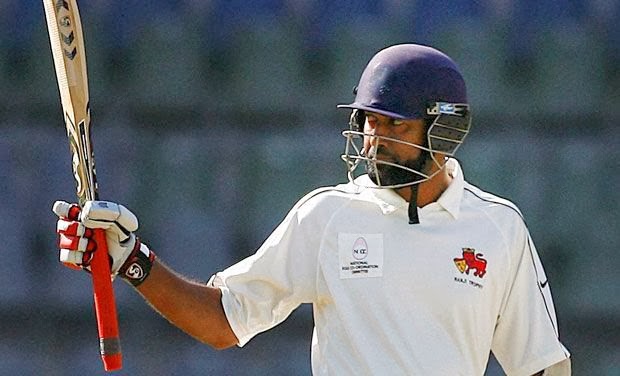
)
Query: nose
[
  {"x": 375, "y": 127},
  {"x": 375, "y": 130},
  {"x": 378, "y": 127}
]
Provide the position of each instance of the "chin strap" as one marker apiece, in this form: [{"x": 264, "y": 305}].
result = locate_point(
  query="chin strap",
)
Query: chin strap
[
  {"x": 414, "y": 218},
  {"x": 413, "y": 206}
]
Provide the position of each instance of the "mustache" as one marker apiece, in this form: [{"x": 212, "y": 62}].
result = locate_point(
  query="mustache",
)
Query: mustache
[{"x": 379, "y": 151}]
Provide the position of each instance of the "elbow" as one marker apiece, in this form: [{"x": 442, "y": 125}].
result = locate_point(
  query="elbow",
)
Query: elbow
[{"x": 221, "y": 344}]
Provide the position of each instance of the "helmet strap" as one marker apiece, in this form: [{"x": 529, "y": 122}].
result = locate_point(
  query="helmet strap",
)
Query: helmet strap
[
  {"x": 413, "y": 206},
  {"x": 414, "y": 218}
]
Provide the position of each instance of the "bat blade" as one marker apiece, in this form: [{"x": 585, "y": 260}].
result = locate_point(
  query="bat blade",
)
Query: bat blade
[
  {"x": 65, "y": 31},
  {"x": 67, "y": 44}
]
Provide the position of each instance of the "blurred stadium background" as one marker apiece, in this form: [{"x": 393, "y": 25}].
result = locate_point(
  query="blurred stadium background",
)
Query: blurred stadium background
[{"x": 211, "y": 118}]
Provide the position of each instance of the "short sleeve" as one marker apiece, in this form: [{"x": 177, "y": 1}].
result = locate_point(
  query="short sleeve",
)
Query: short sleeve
[
  {"x": 525, "y": 340},
  {"x": 262, "y": 290}
]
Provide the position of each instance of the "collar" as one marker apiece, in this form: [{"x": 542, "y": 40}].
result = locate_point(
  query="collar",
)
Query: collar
[{"x": 450, "y": 200}]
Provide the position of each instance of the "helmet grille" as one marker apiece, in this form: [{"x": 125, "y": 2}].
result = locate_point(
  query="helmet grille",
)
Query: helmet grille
[{"x": 451, "y": 125}]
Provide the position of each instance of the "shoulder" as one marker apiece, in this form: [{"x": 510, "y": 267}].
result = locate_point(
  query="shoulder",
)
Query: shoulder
[
  {"x": 503, "y": 212},
  {"x": 316, "y": 209},
  {"x": 330, "y": 197},
  {"x": 499, "y": 219}
]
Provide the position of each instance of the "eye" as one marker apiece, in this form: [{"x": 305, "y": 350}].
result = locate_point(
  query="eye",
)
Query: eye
[
  {"x": 371, "y": 121},
  {"x": 397, "y": 122}
]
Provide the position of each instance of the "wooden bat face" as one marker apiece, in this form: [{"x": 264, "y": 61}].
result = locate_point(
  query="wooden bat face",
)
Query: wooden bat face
[{"x": 67, "y": 42}]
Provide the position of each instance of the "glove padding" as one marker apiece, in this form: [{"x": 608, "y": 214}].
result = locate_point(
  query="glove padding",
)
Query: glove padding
[{"x": 75, "y": 233}]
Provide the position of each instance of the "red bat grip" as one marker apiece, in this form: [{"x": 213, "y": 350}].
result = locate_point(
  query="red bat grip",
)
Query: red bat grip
[{"x": 105, "y": 307}]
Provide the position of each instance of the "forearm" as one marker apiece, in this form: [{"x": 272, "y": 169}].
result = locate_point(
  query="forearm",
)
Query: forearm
[{"x": 191, "y": 306}]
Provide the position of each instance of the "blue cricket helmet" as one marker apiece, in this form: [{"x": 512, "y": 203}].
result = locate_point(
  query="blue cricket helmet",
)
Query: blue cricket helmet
[{"x": 404, "y": 80}]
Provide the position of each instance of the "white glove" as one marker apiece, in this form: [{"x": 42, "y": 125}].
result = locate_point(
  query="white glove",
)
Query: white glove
[{"x": 77, "y": 245}]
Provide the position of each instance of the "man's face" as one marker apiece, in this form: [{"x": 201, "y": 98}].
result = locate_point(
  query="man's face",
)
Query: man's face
[{"x": 410, "y": 131}]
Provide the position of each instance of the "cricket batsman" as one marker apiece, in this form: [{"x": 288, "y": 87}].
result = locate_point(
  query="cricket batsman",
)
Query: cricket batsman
[{"x": 410, "y": 269}]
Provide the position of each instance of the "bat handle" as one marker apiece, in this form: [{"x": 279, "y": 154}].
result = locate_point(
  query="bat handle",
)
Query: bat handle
[{"x": 105, "y": 307}]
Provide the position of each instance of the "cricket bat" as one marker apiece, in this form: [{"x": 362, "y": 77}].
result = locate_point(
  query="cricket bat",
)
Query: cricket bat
[{"x": 67, "y": 43}]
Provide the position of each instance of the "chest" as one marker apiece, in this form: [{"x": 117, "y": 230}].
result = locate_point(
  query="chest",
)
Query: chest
[{"x": 447, "y": 268}]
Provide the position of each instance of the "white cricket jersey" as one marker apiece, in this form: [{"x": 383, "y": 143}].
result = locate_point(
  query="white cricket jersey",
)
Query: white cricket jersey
[{"x": 391, "y": 298}]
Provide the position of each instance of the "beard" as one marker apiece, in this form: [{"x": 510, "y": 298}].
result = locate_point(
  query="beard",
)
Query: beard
[{"x": 392, "y": 175}]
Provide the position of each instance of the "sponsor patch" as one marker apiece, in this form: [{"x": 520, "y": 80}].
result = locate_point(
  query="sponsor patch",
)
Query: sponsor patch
[{"x": 360, "y": 255}]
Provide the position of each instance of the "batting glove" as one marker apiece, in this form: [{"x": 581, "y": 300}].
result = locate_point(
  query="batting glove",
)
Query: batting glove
[{"x": 129, "y": 258}]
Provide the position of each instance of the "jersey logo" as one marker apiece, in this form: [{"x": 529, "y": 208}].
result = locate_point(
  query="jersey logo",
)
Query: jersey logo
[
  {"x": 360, "y": 249},
  {"x": 471, "y": 260}
]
